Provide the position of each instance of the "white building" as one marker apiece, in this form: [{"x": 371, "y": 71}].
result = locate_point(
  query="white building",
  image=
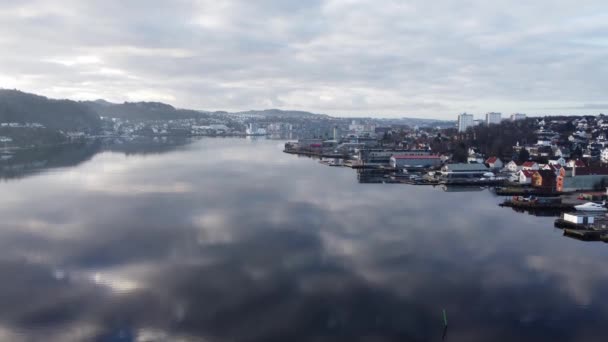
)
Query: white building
[
  {"x": 493, "y": 118},
  {"x": 559, "y": 161},
  {"x": 512, "y": 166},
  {"x": 494, "y": 163},
  {"x": 465, "y": 121},
  {"x": 604, "y": 156},
  {"x": 517, "y": 116},
  {"x": 409, "y": 161},
  {"x": 357, "y": 128}
]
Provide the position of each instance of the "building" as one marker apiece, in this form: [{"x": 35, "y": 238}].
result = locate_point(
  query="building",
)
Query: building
[
  {"x": 559, "y": 161},
  {"x": 546, "y": 180},
  {"x": 604, "y": 155},
  {"x": 380, "y": 156},
  {"x": 493, "y": 118},
  {"x": 578, "y": 218},
  {"x": 356, "y": 127},
  {"x": 576, "y": 163},
  {"x": 494, "y": 163},
  {"x": 465, "y": 121},
  {"x": 530, "y": 166},
  {"x": 585, "y": 179},
  {"x": 512, "y": 166},
  {"x": 407, "y": 161},
  {"x": 525, "y": 176},
  {"x": 464, "y": 170},
  {"x": 517, "y": 116}
]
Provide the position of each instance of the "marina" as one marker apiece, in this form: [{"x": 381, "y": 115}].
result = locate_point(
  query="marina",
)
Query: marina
[{"x": 544, "y": 195}]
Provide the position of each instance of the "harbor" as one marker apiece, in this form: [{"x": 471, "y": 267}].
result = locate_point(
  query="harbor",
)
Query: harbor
[{"x": 568, "y": 189}]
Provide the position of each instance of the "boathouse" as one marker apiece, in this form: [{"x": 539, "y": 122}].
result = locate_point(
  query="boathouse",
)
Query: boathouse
[{"x": 464, "y": 170}]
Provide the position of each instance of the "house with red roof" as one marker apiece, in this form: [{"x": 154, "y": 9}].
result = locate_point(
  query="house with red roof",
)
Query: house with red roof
[
  {"x": 530, "y": 166},
  {"x": 512, "y": 166},
  {"x": 525, "y": 176},
  {"x": 494, "y": 163},
  {"x": 578, "y": 163}
]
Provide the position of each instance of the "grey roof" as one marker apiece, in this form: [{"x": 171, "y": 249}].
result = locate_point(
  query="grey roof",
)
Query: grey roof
[{"x": 466, "y": 167}]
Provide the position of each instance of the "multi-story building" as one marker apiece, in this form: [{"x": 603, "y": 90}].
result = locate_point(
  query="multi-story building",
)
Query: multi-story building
[
  {"x": 517, "y": 116},
  {"x": 465, "y": 121},
  {"x": 493, "y": 118}
]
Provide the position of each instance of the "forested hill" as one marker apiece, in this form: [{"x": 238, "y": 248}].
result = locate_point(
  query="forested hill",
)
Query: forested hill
[
  {"x": 141, "y": 110},
  {"x": 64, "y": 115}
]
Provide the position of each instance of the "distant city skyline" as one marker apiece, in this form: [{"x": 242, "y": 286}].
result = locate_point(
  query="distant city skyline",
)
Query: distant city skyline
[{"x": 385, "y": 58}]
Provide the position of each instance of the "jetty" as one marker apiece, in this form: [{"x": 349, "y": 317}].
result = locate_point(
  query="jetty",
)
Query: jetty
[
  {"x": 538, "y": 205},
  {"x": 587, "y": 234},
  {"x": 520, "y": 191}
]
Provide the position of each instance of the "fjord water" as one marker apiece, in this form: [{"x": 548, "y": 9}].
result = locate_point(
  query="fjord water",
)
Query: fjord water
[{"x": 232, "y": 240}]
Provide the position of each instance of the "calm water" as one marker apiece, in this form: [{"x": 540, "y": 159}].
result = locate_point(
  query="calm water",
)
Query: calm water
[{"x": 232, "y": 240}]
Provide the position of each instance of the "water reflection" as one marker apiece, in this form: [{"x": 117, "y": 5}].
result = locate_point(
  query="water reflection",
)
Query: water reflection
[
  {"x": 231, "y": 240},
  {"x": 23, "y": 162}
]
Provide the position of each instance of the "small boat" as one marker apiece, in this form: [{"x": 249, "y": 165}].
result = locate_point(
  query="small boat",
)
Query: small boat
[{"x": 591, "y": 206}]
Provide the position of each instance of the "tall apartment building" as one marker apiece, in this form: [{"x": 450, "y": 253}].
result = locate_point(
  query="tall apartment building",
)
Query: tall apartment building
[
  {"x": 465, "y": 121},
  {"x": 517, "y": 116},
  {"x": 493, "y": 118}
]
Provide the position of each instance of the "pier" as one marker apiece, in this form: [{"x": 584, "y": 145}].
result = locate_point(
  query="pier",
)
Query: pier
[{"x": 533, "y": 205}]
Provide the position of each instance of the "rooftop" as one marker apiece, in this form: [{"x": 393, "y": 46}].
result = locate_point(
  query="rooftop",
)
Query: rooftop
[{"x": 415, "y": 157}]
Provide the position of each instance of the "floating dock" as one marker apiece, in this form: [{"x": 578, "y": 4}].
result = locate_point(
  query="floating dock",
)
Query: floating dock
[
  {"x": 587, "y": 234},
  {"x": 532, "y": 205},
  {"x": 524, "y": 192},
  {"x": 473, "y": 182},
  {"x": 563, "y": 224}
]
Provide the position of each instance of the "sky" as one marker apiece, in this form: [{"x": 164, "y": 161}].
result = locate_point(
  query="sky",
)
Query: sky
[{"x": 379, "y": 58}]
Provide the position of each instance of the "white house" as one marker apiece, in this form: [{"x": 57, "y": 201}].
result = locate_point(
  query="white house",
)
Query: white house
[
  {"x": 578, "y": 163},
  {"x": 530, "y": 166},
  {"x": 604, "y": 155},
  {"x": 512, "y": 166},
  {"x": 494, "y": 163},
  {"x": 561, "y": 161},
  {"x": 525, "y": 176}
]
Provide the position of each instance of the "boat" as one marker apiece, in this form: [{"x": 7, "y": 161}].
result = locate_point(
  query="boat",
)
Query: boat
[{"x": 591, "y": 206}]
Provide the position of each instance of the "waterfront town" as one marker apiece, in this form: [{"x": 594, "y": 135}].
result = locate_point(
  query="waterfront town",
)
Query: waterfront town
[{"x": 554, "y": 166}]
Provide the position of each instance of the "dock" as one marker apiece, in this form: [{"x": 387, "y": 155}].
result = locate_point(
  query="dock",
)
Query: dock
[
  {"x": 315, "y": 154},
  {"x": 475, "y": 182},
  {"x": 532, "y": 205},
  {"x": 587, "y": 234},
  {"x": 563, "y": 224},
  {"x": 524, "y": 192}
]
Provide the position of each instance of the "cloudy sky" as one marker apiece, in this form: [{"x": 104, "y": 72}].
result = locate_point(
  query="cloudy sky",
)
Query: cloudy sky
[{"x": 388, "y": 58}]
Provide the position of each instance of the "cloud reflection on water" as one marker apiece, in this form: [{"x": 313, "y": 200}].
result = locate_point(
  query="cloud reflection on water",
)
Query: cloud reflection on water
[{"x": 265, "y": 246}]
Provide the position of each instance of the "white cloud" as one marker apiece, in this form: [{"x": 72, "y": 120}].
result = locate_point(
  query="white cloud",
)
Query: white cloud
[{"x": 341, "y": 57}]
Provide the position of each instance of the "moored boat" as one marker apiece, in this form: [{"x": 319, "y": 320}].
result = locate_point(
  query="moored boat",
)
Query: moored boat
[{"x": 591, "y": 206}]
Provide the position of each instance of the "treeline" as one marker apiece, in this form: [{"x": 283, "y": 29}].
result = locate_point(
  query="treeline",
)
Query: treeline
[
  {"x": 498, "y": 140},
  {"x": 494, "y": 140}
]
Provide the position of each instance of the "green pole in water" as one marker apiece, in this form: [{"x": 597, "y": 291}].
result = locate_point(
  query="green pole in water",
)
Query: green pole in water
[{"x": 445, "y": 318}]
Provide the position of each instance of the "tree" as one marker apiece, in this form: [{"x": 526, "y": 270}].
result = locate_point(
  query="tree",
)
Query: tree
[
  {"x": 577, "y": 153},
  {"x": 460, "y": 153},
  {"x": 524, "y": 155}
]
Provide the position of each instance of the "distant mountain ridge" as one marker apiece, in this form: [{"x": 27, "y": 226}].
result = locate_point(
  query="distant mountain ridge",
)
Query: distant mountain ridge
[
  {"x": 142, "y": 110},
  {"x": 282, "y": 113},
  {"x": 67, "y": 115}
]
